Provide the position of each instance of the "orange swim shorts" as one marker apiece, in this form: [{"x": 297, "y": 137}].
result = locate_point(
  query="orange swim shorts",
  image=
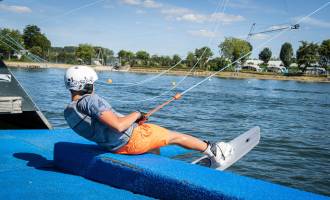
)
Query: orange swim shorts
[{"x": 144, "y": 138}]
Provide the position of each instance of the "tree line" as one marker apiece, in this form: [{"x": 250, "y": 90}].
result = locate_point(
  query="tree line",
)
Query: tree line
[
  {"x": 307, "y": 55},
  {"x": 230, "y": 50},
  {"x": 33, "y": 41}
]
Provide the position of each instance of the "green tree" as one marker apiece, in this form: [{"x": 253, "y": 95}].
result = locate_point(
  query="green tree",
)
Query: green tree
[
  {"x": 28, "y": 33},
  {"x": 324, "y": 52},
  {"x": 286, "y": 54},
  {"x": 42, "y": 42},
  {"x": 85, "y": 52},
  {"x": 190, "y": 60},
  {"x": 7, "y": 36},
  {"x": 33, "y": 37},
  {"x": 70, "y": 49},
  {"x": 154, "y": 61},
  {"x": 36, "y": 50},
  {"x": 143, "y": 56},
  {"x": 126, "y": 57},
  {"x": 65, "y": 57},
  {"x": 165, "y": 61},
  {"x": 203, "y": 54},
  {"x": 68, "y": 55},
  {"x": 70, "y": 58},
  {"x": 131, "y": 58},
  {"x": 265, "y": 55},
  {"x": 122, "y": 54},
  {"x": 175, "y": 60},
  {"x": 218, "y": 63},
  {"x": 234, "y": 49},
  {"x": 307, "y": 54},
  {"x": 61, "y": 57}
]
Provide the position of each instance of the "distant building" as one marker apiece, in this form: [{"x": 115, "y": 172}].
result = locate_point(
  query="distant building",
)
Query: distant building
[
  {"x": 276, "y": 69},
  {"x": 273, "y": 66},
  {"x": 253, "y": 62},
  {"x": 251, "y": 68},
  {"x": 315, "y": 71},
  {"x": 252, "y": 65}
]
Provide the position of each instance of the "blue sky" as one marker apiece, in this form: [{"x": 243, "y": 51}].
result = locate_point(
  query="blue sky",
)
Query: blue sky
[{"x": 166, "y": 27}]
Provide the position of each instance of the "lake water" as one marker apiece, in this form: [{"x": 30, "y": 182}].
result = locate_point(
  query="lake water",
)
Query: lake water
[{"x": 294, "y": 118}]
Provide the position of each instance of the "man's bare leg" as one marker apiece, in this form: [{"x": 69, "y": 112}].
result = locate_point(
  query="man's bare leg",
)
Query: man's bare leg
[
  {"x": 187, "y": 141},
  {"x": 218, "y": 152}
]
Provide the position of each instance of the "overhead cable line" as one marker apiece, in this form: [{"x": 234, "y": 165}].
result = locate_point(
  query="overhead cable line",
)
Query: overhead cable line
[
  {"x": 271, "y": 30},
  {"x": 71, "y": 11}
]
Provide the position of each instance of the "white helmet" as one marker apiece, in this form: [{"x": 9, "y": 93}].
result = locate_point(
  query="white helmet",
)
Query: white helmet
[{"x": 77, "y": 77}]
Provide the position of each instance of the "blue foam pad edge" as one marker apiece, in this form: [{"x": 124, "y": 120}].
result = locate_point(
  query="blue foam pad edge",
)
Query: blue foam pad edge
[{"x": 165, "y": 178}]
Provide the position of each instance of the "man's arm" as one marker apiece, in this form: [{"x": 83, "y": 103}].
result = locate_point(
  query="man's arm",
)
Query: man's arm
[{"x": 119, "y": 123}]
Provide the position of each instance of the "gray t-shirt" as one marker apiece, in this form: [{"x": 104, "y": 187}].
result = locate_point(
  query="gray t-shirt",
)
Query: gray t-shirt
[{"x": 83, "y": 117}]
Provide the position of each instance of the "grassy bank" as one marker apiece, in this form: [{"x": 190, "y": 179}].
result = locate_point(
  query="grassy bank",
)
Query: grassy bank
[
  {"x": 33, "y": 65},
  {"x": 182, "y": 72}
]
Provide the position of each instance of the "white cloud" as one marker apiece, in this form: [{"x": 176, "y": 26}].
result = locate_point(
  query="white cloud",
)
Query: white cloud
[
  {"x": 313, "y": 22},
  {"x": 173, "y": 12},
  {"x": 151, "y": 4},
  {"x": 202, "y": 33},
  {"x": 145, "y": 3},
  {"x": 185, "y": 14},
  {"x": 140, "y": 12},
  {"x": 191, "y": 17},
  {"x": 225, "y": 18},
  {"x": 15, "y": 9},
  {"x": 131, "y": 2},
  {"x": 215, "y": 17}
]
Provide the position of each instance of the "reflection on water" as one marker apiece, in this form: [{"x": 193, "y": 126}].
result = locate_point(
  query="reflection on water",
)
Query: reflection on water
[{"x": 294, "y": 118}]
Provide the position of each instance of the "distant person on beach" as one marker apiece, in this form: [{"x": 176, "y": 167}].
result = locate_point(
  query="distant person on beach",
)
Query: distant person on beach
[{"x": 93, "y": 118}]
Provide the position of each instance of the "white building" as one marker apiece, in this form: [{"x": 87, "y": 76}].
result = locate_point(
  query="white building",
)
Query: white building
[
  {"x": 252, "y": 65},
  {"x": 273, "y": 66},
  {"x": 315, "y": 71},
  {"x": 276, "y": 66}
]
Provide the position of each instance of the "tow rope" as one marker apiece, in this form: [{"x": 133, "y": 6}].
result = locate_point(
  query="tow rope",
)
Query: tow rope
[{"x": 146, "y": 116}]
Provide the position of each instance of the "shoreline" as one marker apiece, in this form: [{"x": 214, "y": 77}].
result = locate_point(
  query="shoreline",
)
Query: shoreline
[{"x": 178, "y": 72}]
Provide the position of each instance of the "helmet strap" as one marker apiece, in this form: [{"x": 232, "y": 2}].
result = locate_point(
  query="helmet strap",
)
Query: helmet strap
[{"x": 88, "y": 89}]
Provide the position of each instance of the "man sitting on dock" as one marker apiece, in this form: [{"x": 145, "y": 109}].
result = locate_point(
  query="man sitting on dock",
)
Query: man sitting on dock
[{"x": 92, "y": 117}]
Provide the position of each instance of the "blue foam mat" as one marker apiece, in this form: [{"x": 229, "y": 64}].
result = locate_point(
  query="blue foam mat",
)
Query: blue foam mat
[
  {"x": 27, "y": 170},
  {"x": 164, "y": 178}
]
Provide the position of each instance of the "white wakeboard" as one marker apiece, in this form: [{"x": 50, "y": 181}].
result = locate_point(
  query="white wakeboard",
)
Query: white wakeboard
[{"x": 241, "y": 146}]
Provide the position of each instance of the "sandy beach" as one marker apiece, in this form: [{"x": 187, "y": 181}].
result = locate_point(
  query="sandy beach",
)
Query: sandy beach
[{"x": 179, "y": 72}]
